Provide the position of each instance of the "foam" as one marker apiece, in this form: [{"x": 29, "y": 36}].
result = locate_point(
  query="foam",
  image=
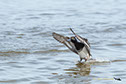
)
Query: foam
[{"x": 99, "y": 60}]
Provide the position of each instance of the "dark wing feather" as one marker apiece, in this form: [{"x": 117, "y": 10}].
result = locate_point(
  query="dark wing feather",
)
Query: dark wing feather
[
  {"x": 83, "y": 40},
  {"x": 65, "y": 41}
]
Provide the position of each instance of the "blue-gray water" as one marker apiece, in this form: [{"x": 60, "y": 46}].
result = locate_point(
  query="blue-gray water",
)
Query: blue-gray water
[{"x": 30, "y": 55}]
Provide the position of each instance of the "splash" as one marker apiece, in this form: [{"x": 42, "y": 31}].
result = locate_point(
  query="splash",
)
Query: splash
[
  {"x": 98, "y": 60},
  {"x": 101, "y": 60}
]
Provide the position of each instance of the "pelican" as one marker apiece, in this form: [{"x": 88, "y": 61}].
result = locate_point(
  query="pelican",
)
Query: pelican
[{"x": 77, "y": 44}]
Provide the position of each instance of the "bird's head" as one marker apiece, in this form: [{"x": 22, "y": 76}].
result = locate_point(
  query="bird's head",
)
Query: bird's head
[{"x": 73, "y": 39}]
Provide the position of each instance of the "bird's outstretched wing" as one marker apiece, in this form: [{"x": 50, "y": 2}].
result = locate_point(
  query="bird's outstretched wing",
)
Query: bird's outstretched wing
[
  {"x": 83, "y": 40},
  {"x": 65, "y": 41}
]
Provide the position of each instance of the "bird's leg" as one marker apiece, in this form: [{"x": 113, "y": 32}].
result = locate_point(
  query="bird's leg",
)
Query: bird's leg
[
  {"x": 85, "y": 59},
  {"x": 80, "y": 59}
]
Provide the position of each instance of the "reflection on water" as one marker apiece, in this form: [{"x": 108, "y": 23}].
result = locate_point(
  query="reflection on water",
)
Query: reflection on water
[
  {"x": 82, "y": 69},
  {"x": 81, "y": 73}
]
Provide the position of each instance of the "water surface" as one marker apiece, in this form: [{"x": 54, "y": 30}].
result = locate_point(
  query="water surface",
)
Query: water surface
[{"x": 30, "y": 55}]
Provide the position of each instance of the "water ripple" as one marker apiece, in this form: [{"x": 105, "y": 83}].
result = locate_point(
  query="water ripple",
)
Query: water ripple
[{"x": 29, "y": 54}]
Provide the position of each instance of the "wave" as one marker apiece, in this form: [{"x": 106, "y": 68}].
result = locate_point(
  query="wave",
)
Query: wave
[
  {"x": 50, "y": 51},
  {"x": 15, "y": 52}
]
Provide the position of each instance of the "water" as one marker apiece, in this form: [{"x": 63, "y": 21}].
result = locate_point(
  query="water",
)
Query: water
[{"x": 30, "y": 55}]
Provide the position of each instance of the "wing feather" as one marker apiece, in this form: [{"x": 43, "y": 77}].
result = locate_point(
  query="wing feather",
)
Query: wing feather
[
  {"x": 64, "y": 40},
  {"x": 83, "y": 40}
]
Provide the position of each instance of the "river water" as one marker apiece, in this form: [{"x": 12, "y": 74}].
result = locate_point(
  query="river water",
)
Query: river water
[{"x": 30, "y": 55}]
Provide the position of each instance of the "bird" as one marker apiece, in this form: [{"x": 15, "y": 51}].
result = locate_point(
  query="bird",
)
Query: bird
[{"x": 76, "y": 43}]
